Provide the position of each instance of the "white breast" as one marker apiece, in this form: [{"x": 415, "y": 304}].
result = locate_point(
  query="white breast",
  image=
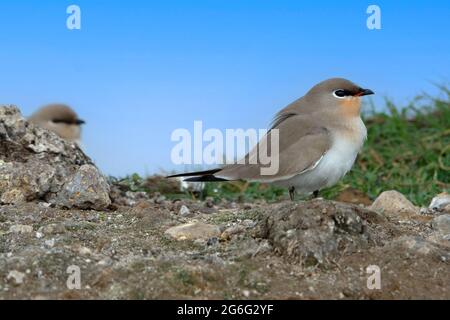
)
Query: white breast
[
  {"x": 338, "y": 160},
  {"x": 334, "y": 164}
]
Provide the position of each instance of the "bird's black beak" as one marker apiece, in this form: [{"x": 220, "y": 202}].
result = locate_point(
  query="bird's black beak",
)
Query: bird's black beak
[
  {"x": 80, "y": 122},
  {"x": 364, "y": 92}
]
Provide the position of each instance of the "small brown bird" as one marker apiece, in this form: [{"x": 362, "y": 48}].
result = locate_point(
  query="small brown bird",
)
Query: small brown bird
[
  {"x": 320, "y": 135},
  {"x": 60, "y": 119}
]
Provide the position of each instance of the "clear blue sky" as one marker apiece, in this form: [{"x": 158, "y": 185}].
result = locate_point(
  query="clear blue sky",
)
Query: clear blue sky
[{"x": 137, "y": 70}]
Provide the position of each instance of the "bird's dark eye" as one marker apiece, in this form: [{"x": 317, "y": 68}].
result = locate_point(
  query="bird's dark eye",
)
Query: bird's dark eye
[
  {"x": 61, "y": 121},
  {"x": 340, "y": 93}
]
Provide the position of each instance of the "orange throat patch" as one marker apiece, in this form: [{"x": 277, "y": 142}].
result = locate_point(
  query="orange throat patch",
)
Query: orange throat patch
[{"x": 351, "y": 107}]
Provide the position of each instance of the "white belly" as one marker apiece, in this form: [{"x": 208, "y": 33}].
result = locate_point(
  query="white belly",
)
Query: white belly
[{"x": 332, "y": 167}]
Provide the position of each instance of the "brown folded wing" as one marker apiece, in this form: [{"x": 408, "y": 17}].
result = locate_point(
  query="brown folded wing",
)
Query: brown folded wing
[{"x": 302, "y": 144}]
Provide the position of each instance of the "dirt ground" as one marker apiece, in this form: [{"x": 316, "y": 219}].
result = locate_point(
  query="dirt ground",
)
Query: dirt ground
[{"x": 305, "y": 250}]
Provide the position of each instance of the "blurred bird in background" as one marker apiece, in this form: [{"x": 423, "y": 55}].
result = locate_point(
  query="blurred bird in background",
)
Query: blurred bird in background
[{"x": 60, "y": 119}]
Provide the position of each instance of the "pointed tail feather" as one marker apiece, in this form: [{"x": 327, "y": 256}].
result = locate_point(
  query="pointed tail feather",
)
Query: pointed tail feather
[
  {"x": 205, "y": 178},
  {"x": 194, "y": 174},
  {"x": 199, "y": 176}
]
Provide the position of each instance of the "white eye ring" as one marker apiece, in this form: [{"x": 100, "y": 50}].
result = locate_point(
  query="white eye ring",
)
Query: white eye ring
[{"x": 337, "y": 96}]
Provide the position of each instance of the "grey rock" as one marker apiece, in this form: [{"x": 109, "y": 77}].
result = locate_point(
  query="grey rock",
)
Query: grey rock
[
  {"x": 53, "y": 228},
  {"x": 395, "y": 205},
  {"x": 184, "y": 211},
  {"x": 86, "y": 189},
  {"x": 17, "y": 276},
  {"x": 37, "y": 165},
  {"x": 415, "y": 245},
  {"x": 159, "y": 199},
  {"x": 232, "y": 231},
  {"x": 193, "y": 231},
  {"x": 442, "y": 224},
  {"x": 312, "y": 232}
]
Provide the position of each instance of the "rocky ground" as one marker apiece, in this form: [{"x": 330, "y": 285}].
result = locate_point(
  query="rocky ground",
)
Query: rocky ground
[{"x": 59, "y": 215}]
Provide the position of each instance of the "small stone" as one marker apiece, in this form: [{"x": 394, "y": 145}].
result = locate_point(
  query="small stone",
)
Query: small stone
[
  {"x": 246, "y": 293},
  {"x": 17, "y": 276},
  {"x": 105, "y": 262},
  {"x": 158, "y": 198},
  {"x": 231, "y": 231},
  {"x": 50, "y": 243},
  {"x": 19, "y": 228},
  {"x": 442, "y": 224},
  {"x": 290, "y": 233},
  {"x": 52, "y": 228},
  {"x": 193, "y": 231},
  {"x": 249, "y": 223},
  {"x": 45, "y": 204},
  {"x": 184, "y": 211},
  {"x": 84, "y": 251},
  {"x": 142, "y": 204},
  {"x": 394, "y": 204}
]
